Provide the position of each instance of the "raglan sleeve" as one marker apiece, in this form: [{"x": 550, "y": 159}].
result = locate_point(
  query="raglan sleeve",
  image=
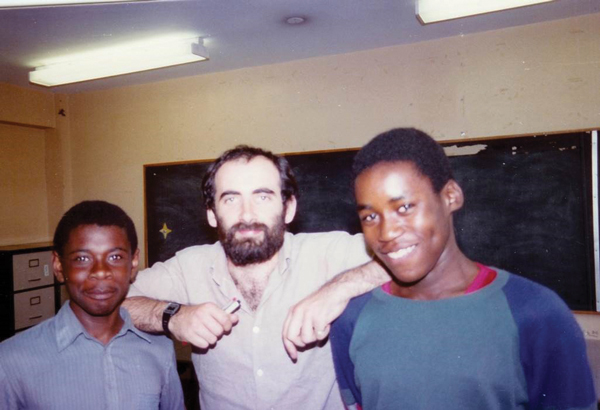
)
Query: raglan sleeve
[
  {"x": 340, "y": 338},
  {"x": 552, "y": 350}
]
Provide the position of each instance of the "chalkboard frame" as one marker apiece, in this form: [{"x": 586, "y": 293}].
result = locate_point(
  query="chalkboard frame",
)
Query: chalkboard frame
[{"x": 319, "y": 200}]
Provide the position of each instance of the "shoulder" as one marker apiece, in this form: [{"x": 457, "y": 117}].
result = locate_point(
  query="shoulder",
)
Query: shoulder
[
  {"x": 352, "y": 312},
  {"x": 160, "y": 342},
  {"x": 323, "y": 236},
  {"x": 199, "y": 250},
  {"x": 192, "y": 255},
  {"x": 531, "y": 301},
  {"x": 541, "y": 316},
  {"x": 32, "y": 342},
  {"x": 325, "y": 242}
]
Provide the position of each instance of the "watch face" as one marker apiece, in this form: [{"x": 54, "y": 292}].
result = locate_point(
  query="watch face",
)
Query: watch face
[{"x": 172, "y": 308}]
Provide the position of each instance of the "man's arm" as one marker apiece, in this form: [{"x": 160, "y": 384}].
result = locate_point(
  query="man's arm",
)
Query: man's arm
[
  {"x": 309, "y": 320},
  {"x": 201, "y": 325}
]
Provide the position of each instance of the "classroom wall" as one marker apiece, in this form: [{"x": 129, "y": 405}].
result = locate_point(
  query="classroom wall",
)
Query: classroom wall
[
  {"x": 23, "y": 185},
  {"x": 25, "y": 116},
  {"x": 524, "y": 80}
]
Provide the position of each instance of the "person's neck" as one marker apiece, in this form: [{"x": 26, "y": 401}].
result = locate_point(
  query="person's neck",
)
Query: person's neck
[
  {"x": 451, "y": 276},
  {"x": 252, "y": 280},
  {"x": 102, "y": 328}
]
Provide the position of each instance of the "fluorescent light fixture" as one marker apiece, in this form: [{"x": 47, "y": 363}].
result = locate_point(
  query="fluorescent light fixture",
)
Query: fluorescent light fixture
[
  {"x": 124, "y": 61},
  {"x": 45, "y": 3},
  {"x": 431, "y": 11}
]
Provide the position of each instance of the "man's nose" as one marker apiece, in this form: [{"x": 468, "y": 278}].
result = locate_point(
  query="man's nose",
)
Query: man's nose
[
  {"x": 101, "y": 269},
  {"x": 247, "y": 213},
  {"x": 389, "y": 230}
]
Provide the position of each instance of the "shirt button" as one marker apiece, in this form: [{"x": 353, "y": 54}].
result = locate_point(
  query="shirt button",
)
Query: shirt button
[
  {"x": 256, "y": 329},
  {"x": 259, "y": 372}
]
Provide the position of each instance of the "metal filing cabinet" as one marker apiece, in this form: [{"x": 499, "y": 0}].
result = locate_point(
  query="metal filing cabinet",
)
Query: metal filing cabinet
[{"x": 28, "y": 291}]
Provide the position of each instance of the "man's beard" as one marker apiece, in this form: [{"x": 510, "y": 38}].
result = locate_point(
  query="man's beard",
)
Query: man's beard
[{"x": 248, "y": 251}]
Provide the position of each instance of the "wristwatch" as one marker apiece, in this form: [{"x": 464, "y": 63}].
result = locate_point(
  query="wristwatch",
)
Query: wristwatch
[{"x": 170, "y": 311}]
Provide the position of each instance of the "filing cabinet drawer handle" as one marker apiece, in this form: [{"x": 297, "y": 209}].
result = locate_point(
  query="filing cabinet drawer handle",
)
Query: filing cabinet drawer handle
[
  {"x": 34, "y": 280},
  {"x": 35, "y": 317},
  {"x": 36, "y": 300},
  {"x": 34, "y": 263}
]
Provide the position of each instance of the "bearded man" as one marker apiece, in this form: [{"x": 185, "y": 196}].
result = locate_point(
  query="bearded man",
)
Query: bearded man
[{"x": 250, "y": 197}]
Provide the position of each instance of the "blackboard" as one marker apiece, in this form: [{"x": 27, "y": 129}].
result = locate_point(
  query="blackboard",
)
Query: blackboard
[{"x": 527, "y": 210}]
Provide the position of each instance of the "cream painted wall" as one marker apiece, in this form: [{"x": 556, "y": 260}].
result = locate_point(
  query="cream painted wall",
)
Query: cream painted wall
[
  {"x": 23, "y": 204},
  {"x": 26, "y": 107},
  {"x": 25, "y": 115}
]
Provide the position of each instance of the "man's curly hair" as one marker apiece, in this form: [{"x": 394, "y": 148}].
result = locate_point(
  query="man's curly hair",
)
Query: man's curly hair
[{"x": 406, "y": 144}]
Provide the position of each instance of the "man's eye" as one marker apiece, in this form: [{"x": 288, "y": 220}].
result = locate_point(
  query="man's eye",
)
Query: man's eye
[
  {"x": 115, "y": 257},
  {"x": 81, "y": 259},
  {"x": 368, "y": 217},
  {"x": 229, "y": 199},
  {"x": 404, "y": 208}
]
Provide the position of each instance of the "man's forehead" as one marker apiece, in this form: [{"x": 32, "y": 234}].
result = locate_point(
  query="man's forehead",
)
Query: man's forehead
[{"x": 244, "y": 173}]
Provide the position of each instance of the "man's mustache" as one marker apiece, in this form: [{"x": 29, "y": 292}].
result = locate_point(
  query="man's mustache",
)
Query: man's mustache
[{"x": 240, "y": 226}]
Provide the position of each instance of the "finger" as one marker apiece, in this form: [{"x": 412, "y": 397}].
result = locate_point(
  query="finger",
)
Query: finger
[
  {"x": 286, "y": 325},
  {"x": 307, "y": 333},
  {"x": 234, "y": 318},
  {"x": 225, "y": 320},
  {"x": 294, "y": 324},
  {"x": 291, "y": 350},
  {"x": 323, "y": 333},
  {"x": 214, "y": 325}
]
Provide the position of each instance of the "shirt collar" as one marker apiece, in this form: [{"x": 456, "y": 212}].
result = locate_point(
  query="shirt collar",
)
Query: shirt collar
[{"x": 68, "y": 328}]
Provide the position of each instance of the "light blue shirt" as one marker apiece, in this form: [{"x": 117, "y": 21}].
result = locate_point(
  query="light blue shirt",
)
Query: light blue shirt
[{"x": 59, "y": 365}]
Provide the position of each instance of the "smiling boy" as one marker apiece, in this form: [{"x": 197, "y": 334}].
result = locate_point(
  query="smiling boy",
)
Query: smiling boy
[
  {"x": 446, "y": 332},
  {"x": 90, "y": 355}
]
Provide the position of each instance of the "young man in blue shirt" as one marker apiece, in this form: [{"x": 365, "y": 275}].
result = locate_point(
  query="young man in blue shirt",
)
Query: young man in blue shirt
[{"x": 90, "y": 356}]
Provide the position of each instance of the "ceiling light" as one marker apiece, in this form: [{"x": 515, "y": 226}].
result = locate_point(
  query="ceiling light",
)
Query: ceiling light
[
  {"x": 124, "y": 61},
  {"x": 44, "y": 3},
  {"x": 431, "y": 11}
]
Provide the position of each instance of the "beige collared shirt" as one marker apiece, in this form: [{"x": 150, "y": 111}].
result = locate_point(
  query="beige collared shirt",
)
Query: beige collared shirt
[{"x": 249, "y": 368}]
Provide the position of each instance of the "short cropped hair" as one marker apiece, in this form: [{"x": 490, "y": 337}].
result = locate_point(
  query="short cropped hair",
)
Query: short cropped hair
[
  {"x": 93, "y": 213},
  {"x": 410, "y": 145},
  {"x": 289, "y": 186}
]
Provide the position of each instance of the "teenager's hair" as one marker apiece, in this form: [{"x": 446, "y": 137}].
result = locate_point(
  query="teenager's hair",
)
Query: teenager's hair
[
  {"x": 289, "y": 187},
  {"x": 93, "y": 213},
  {"x": 406, "y": 144}
]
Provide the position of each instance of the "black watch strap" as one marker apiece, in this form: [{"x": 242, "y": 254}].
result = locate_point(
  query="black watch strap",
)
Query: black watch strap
[{"x": 170, "y": 311}]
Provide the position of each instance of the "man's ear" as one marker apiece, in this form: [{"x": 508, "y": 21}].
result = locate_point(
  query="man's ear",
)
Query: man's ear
[
  {"x": 57, "y": 267},
  {"x": 290, "y": 209},
  {"x": 212, "y": 218},
  {"x": 135, "y": 262},
  {"x": 453, "y": 196}
]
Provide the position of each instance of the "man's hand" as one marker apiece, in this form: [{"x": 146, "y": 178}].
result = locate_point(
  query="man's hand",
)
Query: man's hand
[
  {"x": 201, "y": 325},
  {"x": 309, "y": 320}
]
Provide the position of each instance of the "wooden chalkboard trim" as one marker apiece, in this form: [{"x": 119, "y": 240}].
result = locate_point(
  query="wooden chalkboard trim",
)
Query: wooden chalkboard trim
[{"x": 441, "y": 142}]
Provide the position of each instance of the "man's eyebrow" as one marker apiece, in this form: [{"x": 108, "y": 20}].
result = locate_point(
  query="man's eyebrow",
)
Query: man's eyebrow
[
  {"x": 85, "y": 250},
  {"x": 225, "y": 193},
  {"x": 263, "y": 191},
  {"x": 361, "y": 207}
]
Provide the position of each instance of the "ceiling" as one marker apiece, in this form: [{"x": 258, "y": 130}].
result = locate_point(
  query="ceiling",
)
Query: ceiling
[{"x": 237, "y": 33}]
